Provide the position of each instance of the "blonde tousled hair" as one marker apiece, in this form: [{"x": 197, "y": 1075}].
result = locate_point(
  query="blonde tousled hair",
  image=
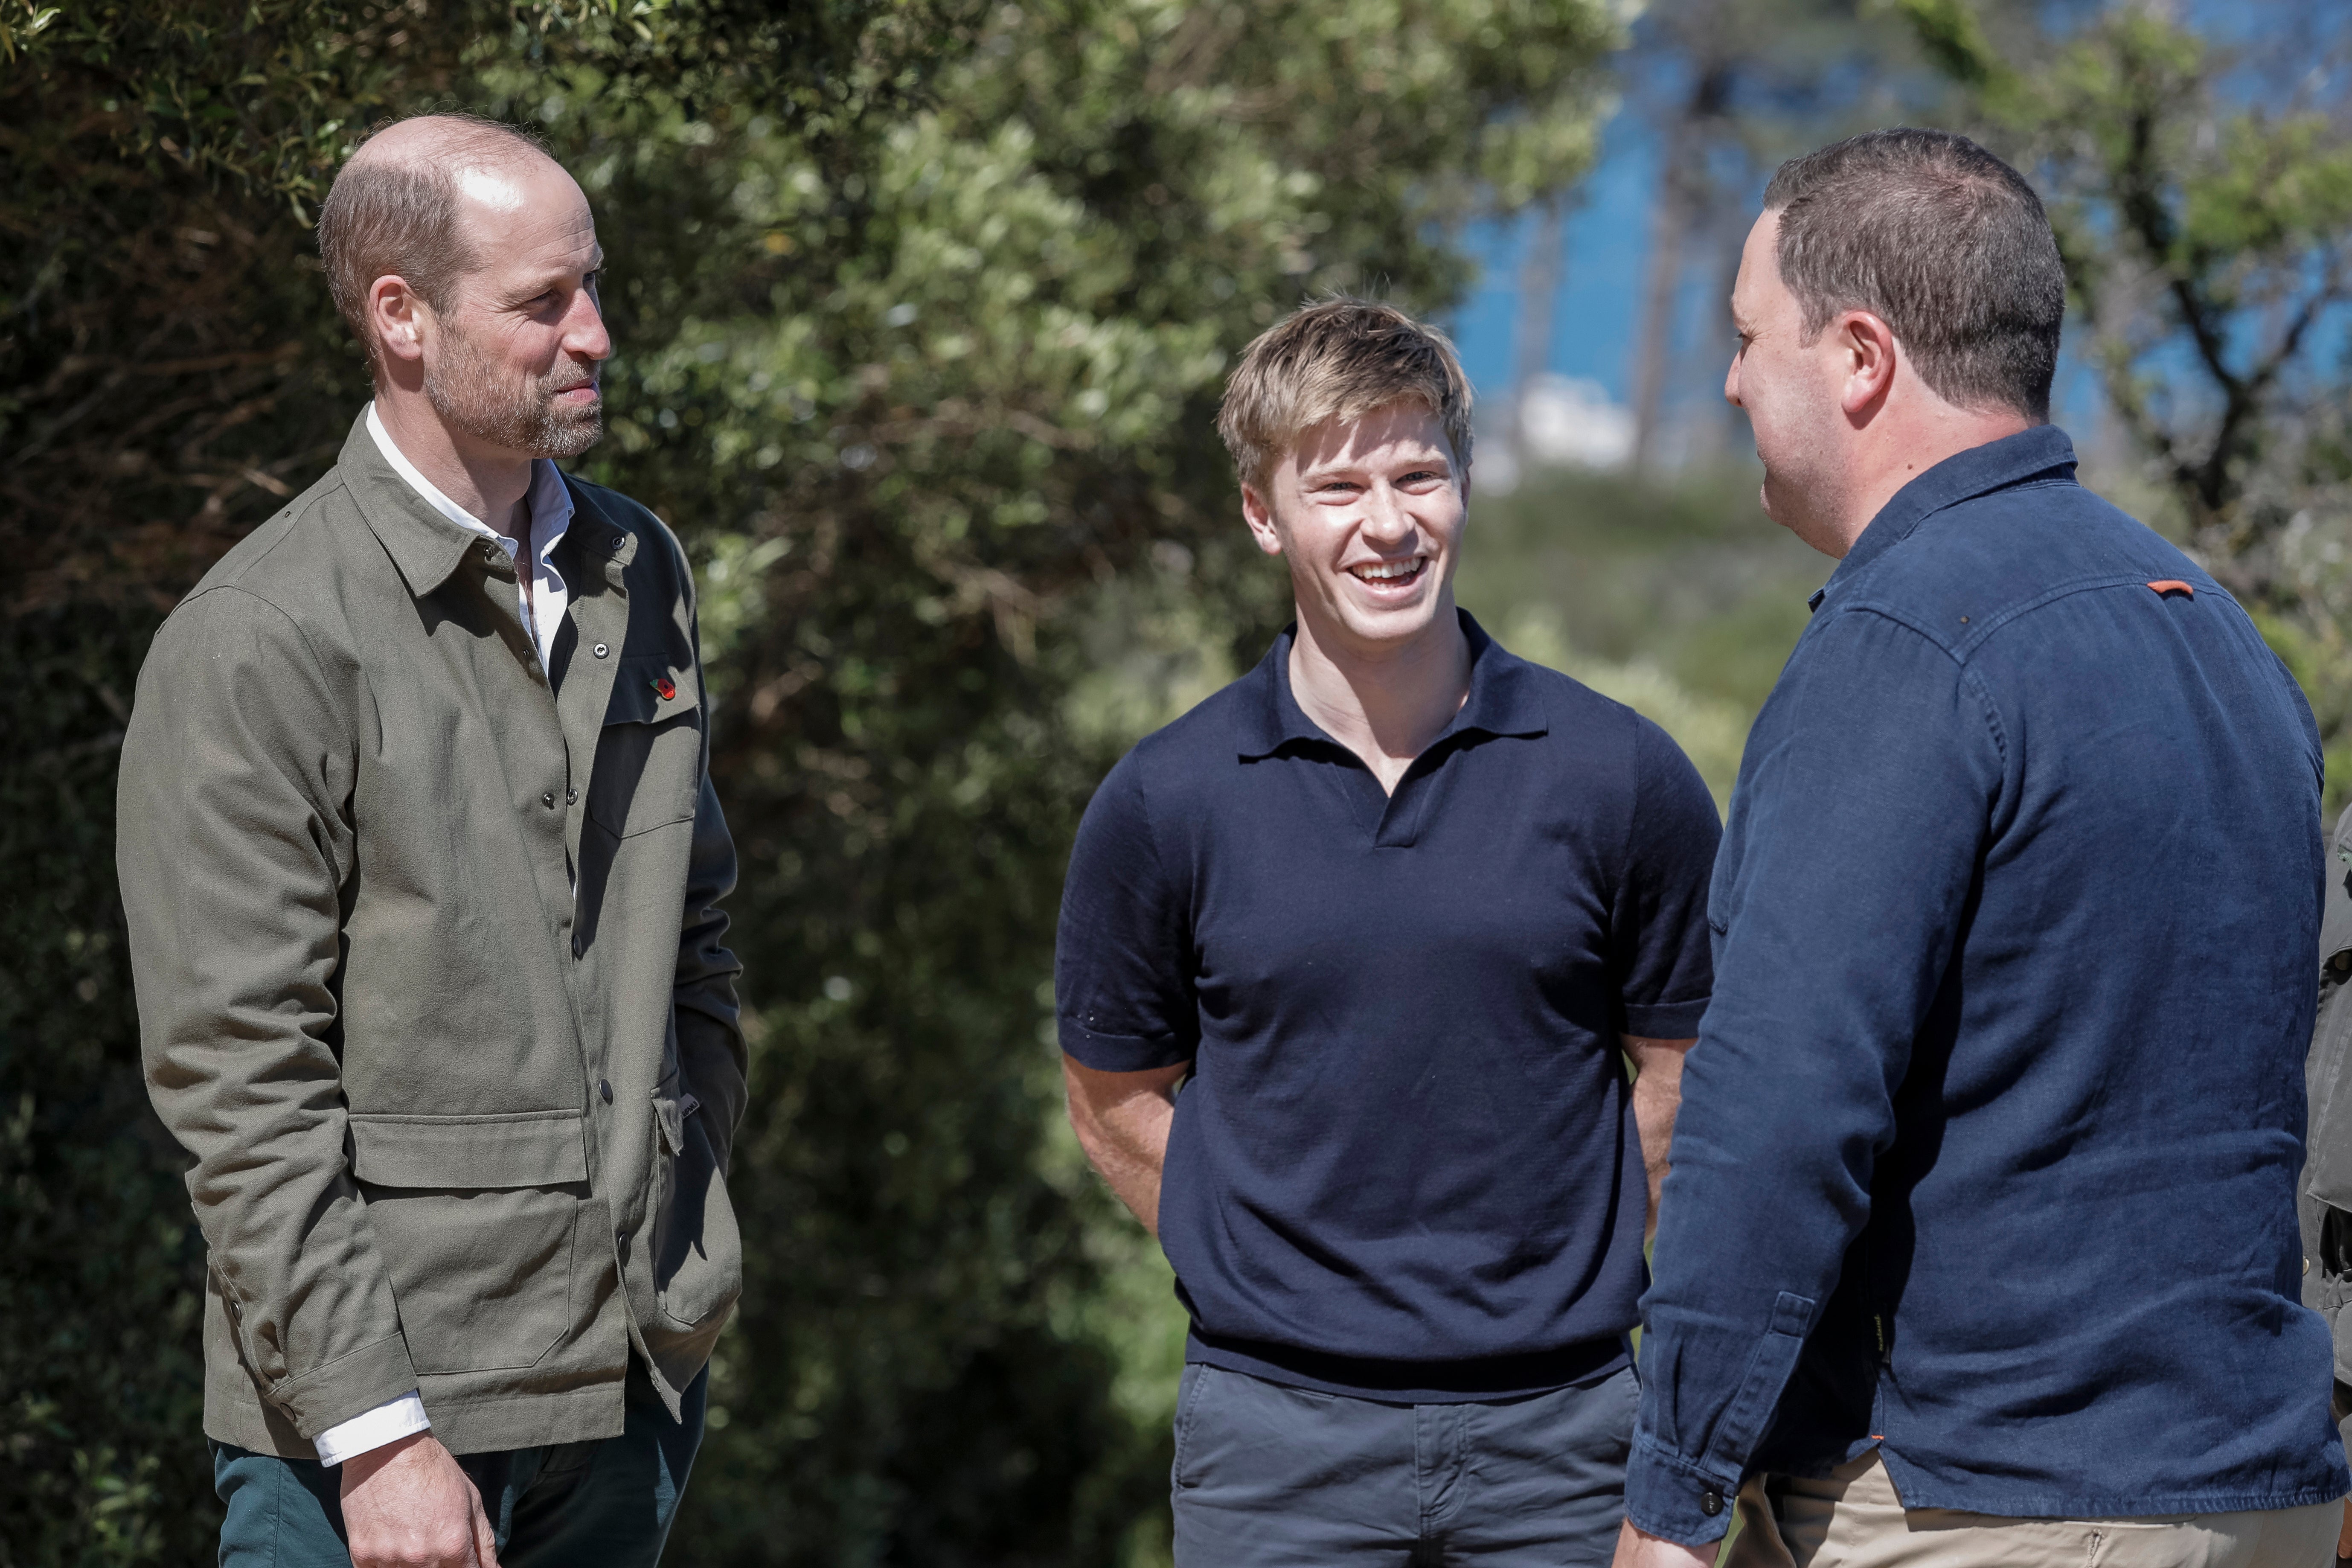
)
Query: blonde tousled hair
[{"x": 1339, "y": 358}]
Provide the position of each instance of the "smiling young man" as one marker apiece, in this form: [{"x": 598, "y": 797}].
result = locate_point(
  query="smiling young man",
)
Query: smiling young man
[
  {"x": 423, "y": 869},
  {"x": 1392, "y": 909}
]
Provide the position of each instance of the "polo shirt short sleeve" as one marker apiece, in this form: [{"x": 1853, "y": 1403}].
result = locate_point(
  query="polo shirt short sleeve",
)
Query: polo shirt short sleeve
[{"x": 1405, "y": 1164}]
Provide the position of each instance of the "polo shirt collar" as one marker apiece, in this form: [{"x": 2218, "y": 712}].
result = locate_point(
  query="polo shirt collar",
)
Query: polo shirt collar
[
  {"x": 1504, "y": 697},
  {"x": 2042, "y": 452}
]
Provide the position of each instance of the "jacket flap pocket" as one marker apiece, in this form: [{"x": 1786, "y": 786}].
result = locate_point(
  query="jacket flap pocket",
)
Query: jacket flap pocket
[
  {"x": 526, "y": 1149},
  {"x": 649, "y": 690},
  {"x": 669, "y": 1116}
]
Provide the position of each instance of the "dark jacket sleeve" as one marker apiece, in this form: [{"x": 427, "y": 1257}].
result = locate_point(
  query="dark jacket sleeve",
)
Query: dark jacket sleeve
[
  {"x": 711, "y": 1051},
  {"x": 1852, "y": 850},
  {"x": 232, "y": 846}
]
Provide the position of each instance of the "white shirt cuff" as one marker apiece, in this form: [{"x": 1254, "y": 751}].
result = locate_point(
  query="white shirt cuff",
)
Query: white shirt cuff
[{"x": 371, "y": 1429}]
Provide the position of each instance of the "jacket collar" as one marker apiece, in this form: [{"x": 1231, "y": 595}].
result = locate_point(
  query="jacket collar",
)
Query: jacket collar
[
  {"x": 1503, "y": 699},
  {"x": 426, "y": 546},
  {"x": 2042, "y": 452}
]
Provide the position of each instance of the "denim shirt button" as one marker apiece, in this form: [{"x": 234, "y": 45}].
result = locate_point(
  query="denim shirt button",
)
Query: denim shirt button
[{"x": 1710, "y": 1503}]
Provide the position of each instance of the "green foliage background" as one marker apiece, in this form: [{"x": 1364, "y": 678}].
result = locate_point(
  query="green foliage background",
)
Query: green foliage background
[{"x": 924, "y": 307}]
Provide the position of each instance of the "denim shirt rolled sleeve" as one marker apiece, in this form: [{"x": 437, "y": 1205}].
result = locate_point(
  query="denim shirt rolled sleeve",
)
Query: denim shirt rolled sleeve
[{"x": 1889, "y": 756}]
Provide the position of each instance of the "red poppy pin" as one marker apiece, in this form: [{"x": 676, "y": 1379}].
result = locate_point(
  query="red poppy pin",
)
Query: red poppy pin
[{"x": 665, "y": 689}]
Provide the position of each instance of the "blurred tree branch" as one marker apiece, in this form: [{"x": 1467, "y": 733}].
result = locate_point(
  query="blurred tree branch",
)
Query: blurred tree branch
[{"x": 2203, "y": 204}]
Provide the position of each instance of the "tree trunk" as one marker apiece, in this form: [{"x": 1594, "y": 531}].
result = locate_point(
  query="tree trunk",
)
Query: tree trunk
[
  {"x": 1681, "y": 194},
  {"x": 1541, "y": 272}
]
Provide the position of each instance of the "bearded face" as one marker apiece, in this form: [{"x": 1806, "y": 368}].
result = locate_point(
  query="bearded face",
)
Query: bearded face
[{"x": 473, "y": 392}]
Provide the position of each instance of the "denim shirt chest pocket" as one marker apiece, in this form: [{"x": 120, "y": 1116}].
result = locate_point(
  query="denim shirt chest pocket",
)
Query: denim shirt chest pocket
[{"x": 649, "y": 771}]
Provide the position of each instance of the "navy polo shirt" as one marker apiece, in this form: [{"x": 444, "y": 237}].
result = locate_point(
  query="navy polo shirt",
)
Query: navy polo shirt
[
  {"x": 1987, "y": 1151},
  {"x": 1405, "y": 1165}
]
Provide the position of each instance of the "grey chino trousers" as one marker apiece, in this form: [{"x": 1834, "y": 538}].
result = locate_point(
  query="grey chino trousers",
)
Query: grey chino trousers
[{"x": 1273, "y": 1476}]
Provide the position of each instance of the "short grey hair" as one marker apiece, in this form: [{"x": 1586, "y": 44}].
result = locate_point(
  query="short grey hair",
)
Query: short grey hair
[
  {"x": 388, "y": 216},
  {"x": 1941, "y": 240}
]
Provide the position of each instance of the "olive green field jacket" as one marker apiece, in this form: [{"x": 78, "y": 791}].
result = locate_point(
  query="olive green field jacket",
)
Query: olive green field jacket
[{"x": 431, "y": 969}]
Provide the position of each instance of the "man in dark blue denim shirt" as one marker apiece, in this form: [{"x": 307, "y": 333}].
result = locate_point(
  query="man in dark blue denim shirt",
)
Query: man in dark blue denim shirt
[{"x": 1980, "y": 1244}]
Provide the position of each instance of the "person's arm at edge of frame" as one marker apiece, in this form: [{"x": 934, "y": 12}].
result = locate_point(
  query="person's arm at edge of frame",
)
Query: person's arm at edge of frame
[
  {"x": 1657, "y": 1095},
  {"x": 1122, "y": 1120},
  {"x": 1775, "y": 1144}
]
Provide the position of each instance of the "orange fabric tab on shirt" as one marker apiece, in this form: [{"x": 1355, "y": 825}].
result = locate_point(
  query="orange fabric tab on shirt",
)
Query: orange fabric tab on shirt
[{"x": 2172, "y": 586}]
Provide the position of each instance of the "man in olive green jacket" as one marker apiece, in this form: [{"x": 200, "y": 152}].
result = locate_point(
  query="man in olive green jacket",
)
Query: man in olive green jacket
[{"x": 422, "y": 868}]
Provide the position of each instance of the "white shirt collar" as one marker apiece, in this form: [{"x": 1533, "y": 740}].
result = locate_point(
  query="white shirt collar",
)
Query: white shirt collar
[
  {"x": 550, "y": 500},
  {"x": 550, "y": 514}
]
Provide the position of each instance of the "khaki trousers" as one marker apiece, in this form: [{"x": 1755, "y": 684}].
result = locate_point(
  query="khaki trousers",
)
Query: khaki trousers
[{"x": 1853, "y": 1518}]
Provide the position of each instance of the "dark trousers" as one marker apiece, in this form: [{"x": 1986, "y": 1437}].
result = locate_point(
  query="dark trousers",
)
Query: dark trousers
[
  {"x": 604, "y": 1504},
  {"x": 1272, "y": 1477}
]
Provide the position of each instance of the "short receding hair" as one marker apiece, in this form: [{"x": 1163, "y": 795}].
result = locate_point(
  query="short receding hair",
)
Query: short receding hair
[
  {"x": 1941, "y": 240},
  {"x": 398, "y": 217},
  {"x": 1339, "y": 359}
]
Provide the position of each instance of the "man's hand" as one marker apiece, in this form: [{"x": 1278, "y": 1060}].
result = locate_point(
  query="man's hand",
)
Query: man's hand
[
  {"x": 407, "y": 1505},
  {"x": 2344, "y": 1535},
  {"x": 1637, "y": 1548}
]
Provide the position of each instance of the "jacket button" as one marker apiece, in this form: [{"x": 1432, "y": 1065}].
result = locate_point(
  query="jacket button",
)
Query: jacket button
[
  {"x": 548, "y": 800},
  {"x": 1710, "y": 1503},
  {"x": 604, "y": 1088},
  {"x": 570, "y": 796},
  {"x": 601, "y": 650},
  {"x": 621, "y": 1241},
  {"x": 619, "y": 540},
  {"x": 579, "y": 944}
]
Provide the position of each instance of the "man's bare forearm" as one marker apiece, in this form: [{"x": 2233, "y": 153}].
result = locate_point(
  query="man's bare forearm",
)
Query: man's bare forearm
[
  {"x": 1657, "y": 1095},
  {"x": 1122, "y": 1121}
]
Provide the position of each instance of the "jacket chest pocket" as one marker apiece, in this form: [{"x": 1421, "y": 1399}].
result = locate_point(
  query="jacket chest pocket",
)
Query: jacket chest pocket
[{"x": 648, "y": 769}]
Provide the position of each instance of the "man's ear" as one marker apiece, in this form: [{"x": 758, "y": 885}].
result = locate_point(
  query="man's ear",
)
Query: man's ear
[
  {"x": 1866, "y": 345},
  {"x": 1260, "y": 518},
  {"x": 397, "y": 320}
]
